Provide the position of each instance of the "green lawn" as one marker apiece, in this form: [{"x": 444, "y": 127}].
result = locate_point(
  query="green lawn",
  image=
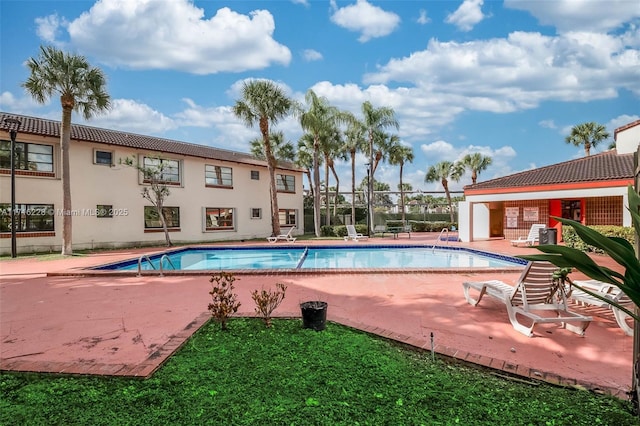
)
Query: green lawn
[{"x": 286, "y": 375}]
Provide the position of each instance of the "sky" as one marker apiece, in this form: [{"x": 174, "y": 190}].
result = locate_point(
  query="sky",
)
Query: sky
[{"x": 508, "y": 79}]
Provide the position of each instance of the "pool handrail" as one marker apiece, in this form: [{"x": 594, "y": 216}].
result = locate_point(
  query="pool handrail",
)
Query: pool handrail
[
  {"x": 144, "y": 256},
  {"x": 440, "y": 236},
  {"x": 165, "y": 256}
]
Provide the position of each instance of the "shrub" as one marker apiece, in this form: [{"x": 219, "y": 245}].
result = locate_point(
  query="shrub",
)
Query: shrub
[
  {"x": 224, "y": 302},
  {"x": 327, "y": 231},
  {"x": 267, "y": 301},
  {"x": 572, "y": 240}
]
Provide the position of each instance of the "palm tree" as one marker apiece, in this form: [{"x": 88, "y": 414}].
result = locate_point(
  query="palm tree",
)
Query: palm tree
[
  {"x": 281, "y": 150},
  {"x": 332, "y": 148},
  {"x": 354, "y": 143},
  {"x": 588, "y": 134},
  {"x": 476, "y": 163},
  {"x": 265, "y": 103},
  {"x": 304, "y": 160},
  {"x": 443, "y": 171},
  {"x": 318, "y": 121},
  {"x": 375, "y": 121},
  {"x": 398, "y": 155},
  {"x": 81, "y": 88}
]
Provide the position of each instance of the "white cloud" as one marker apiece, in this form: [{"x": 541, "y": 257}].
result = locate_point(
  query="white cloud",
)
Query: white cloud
[
  {"x": 519, "y": 72},
  {"x": 310, "y": 55},
  {"x": 423, "y": 18},
  {"x": 49, "y": 27},
  {"x": 131, "y": 116},
  {"x": 370, "y": 21},
  {"x": 547, "y": 124},
  {"x": 174, "y": 35},
  {"x": 579, "y": 15},
  {"x": 467, "y": 15}
]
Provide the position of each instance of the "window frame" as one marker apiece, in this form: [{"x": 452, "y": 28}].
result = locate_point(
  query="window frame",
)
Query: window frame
[
  {"x": 162, "y": 174},
  {"x": 283, "y": 181},
  {"x": 229, "y": 223},
  {"x": 100, "y": 163},
  {"x": 288, "y": 214},
  {"x": 23, "y": 157},
  {"x": 26, "y": 213},
  {"x": 253, "y": 210},
  {"x": 255, "y": 174},
  {"x": 219, "y": 172},
  {"x": 170, "y": 226}
]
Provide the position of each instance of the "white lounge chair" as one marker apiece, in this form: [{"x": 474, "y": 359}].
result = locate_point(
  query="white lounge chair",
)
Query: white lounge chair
[
  {"x": 534, "y": 293},
  {"x": 532, "y": 238},
  {"x": 607, "y": 291},
  {"x": 352, "y": 234},
  {"x": 283, "y": 237}
]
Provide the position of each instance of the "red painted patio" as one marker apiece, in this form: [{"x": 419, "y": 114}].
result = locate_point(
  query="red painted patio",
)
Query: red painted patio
[{"x": 52, "y": 322}]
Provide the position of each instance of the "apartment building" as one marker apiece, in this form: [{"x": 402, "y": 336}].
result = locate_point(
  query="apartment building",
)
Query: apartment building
[{"x": 215, "y": 194}]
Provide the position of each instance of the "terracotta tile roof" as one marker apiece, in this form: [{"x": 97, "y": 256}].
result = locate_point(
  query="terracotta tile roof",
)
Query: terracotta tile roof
[
  {"x": 606, "y": 166},
  {"x": 51, "y": 128}
]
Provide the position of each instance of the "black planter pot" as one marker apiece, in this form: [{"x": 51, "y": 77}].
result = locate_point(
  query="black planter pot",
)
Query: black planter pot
[{"x": 314, "y": 315}]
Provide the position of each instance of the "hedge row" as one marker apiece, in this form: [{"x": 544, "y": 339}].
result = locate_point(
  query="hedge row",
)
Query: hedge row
[
  {"x": 571, "y": 239},
  {"x": 341, "y": 230}
]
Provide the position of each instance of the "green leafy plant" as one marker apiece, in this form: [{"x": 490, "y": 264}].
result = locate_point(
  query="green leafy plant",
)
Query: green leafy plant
[
  {"x": 224, "y": 301},
  {"x": 619, "y": 249},
  {"x": 267, "y": 301}
]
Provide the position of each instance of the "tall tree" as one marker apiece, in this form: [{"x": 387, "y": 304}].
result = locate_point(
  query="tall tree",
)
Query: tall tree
[
  {"x": 475, "y": 163},
  {"x": 82, "y": 88},
  {"x": 281, "y": 148},
  {"x": 264, "y": 103},
  {"x": 304, "y": 160},
  {"x": 375, "y": 121},
  {"x": 354, "y": 143},
  {"x": 398, "y": 155},
  {"x": 589, "y": 134},
  {"x": 318, "y": 120},
  {"x": 443, "y": 172},
  {"x": 332, "y": 147}
]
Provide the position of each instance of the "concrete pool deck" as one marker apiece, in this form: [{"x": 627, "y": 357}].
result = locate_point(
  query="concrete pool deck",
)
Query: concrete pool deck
[{"x": 128, "y": 326}]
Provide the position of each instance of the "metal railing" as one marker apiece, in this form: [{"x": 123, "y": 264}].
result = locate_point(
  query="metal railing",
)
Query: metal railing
[{"x": 161, "y": 264}]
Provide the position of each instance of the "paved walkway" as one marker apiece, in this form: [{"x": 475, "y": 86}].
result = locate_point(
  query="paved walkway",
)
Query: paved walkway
[{"x": 108, "y": 325}]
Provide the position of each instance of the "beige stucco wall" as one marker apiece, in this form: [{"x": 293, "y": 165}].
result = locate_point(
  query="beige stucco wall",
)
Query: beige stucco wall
[
  {"x": 119, "y": 186},
  {"x": 627, "y": 140}
]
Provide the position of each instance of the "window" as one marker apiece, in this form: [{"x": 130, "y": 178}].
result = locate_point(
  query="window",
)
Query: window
[
  {"x": 28, "y": 156},
  {"x": 255, "y": 175},
  {"x": 256, "y": 213},
  {"x": 217, "y": 218},
  {"x": 287, "y": 217},
  {"x": 162, "y": 170},
  {"x": 103, "y": 157},
  {"x": 104, "y": 210},
  {"x": 286, "y": 183},
  {"x": 218, "y": 176},
  {"x": 152, "y": 220},
  {"x": 29, "y": 217}
]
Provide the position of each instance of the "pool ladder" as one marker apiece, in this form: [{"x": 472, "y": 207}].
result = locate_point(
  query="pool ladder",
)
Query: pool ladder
[
  {"x": 444, "y": 230},
  {"x": 148, "y": 259}
]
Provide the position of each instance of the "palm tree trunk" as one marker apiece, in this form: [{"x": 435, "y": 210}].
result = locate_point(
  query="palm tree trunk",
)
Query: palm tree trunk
[
  {"x": 445, "y": 185},
  {"x": 271, "y": 166},
  {"x": 327, "y": 219},
  {"x": 337, "y": 192},
  {"x": 65, "y": 138},
  {"x": 402, "y": 196},
  {"x": 316, "y": 192},
  {"x": 353, "y": 188}
]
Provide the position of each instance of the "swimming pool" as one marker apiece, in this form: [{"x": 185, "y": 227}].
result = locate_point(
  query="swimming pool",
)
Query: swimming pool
[{"x": 331, "y": 258}]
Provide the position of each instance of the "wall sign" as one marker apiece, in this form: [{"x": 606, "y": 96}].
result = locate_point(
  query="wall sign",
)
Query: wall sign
[
  {"x": 512, "y": 211},
  {"x": 530, "y": 214}
]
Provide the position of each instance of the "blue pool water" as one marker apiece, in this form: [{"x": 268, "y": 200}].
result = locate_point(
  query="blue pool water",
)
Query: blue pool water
[{"x": 369, "y": 257}]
